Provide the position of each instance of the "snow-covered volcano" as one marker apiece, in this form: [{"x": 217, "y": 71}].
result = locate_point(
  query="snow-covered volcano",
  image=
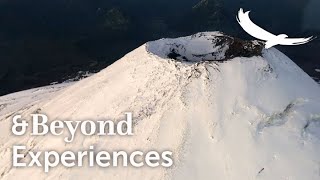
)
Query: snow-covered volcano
[{"x": 224, "y": 116}]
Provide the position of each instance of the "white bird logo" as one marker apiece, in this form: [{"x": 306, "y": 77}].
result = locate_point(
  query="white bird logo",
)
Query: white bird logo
[{"x": 271, "y": 39}]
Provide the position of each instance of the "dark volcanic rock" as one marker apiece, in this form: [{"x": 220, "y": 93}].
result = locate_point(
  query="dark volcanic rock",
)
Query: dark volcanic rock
[{"x": 242, "y": 48}]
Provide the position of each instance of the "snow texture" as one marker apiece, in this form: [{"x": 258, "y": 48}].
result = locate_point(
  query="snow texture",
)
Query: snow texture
[{"x": 245, "y": 118}]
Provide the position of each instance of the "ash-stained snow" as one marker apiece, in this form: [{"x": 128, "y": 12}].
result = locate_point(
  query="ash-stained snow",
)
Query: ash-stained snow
[
  {"x": 244, "y": 118},
  {"x": 204, "y": 46},
  {"x": 192, "y": 48}
]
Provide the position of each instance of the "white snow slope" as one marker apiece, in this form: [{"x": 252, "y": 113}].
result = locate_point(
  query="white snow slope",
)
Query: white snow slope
[{"x": 245, "y": 118}]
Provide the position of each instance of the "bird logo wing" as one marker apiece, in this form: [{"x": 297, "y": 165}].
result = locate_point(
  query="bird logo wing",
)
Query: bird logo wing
[
  {"x": 271, "y": 39},
  {"x": 296, "y": 41},
  {"x": 251, "y": 28}
]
